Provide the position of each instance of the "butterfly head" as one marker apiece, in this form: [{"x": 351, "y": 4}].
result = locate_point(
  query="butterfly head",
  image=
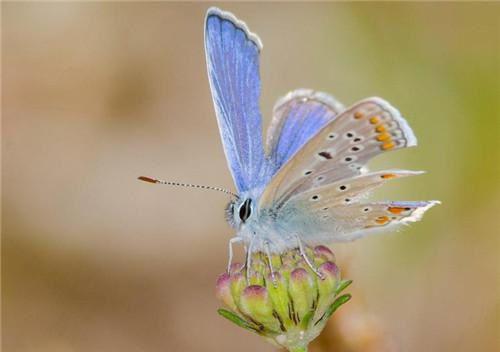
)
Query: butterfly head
[{"x": 239, "y": 211}]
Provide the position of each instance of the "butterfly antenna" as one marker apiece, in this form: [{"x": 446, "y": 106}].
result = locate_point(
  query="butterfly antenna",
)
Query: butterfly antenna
[{"x": 180, "y": 184}]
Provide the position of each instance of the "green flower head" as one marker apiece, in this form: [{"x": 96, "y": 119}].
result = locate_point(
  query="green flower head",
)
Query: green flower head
[{"x": 290, "y": 306}]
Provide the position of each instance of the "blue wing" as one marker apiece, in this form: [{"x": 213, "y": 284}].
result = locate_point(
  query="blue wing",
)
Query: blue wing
[
  {"x": 232, "y": 54},
  {"x": 296, "y": 118}
]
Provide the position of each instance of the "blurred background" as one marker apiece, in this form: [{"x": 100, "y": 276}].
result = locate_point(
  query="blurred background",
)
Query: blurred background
[{"x": 96, "y": 94}]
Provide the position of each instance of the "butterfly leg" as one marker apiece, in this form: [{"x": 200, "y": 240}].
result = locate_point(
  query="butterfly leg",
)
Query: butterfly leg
[
  {"x": 231, "y": 242},
  {"x": 269, "y": 258},
  {"x": 249, "y": 258},
  {"x": 303, "y": 254}
]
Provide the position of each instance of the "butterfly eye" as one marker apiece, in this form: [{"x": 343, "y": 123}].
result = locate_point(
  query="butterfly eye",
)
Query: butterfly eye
[{"x": 245, "y": 210}]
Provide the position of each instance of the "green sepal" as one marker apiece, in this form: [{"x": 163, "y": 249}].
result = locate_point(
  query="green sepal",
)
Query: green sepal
[
  {"x": 278, "y": 294},
  {"x": 237, "y": 320},
  {"x": 343, "y": 284},
  {"x": 304, "y": 323},
  {"x": 335, "y": 305}
]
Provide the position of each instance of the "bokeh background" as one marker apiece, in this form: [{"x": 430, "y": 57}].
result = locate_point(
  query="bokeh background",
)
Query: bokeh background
[{"x": 96, "y": 94}]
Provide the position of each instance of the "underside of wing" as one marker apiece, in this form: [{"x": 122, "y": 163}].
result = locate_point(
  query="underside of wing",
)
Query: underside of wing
[
  {"x": 345, "y": 192},
  {"x": 340, "y": 150},
  {"x": 347, "y": 222},
  {"x": 359, "y": 220},
  {"x": 297, "y": 117},
  {"x": 232, "y": 54},
  {"x": 337, "y": 210}
]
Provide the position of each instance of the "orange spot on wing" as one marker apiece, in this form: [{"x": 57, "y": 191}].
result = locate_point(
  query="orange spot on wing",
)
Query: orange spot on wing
[
  {"x": 383, "y": 136},
  {"x": 380, "y": 129},
  {"x": 374, "y": 120},
  {"x": 358, "y": 115},
  {"x": 388, "y": 176},
  {"x": 388, "y": 145},
  {"x": 381, "y": 220},
  {"x": 396, "y": 210}
]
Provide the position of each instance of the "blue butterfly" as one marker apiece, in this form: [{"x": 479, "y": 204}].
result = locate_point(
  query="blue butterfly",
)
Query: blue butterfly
[{"x": 306, "y": 184}]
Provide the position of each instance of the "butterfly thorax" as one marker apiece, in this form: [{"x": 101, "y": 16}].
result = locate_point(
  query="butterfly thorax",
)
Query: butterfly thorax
[{"x": 257, "y": 227}]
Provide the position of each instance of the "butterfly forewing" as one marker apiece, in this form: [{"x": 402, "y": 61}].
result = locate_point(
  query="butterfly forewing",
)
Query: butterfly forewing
[
  {"x": 297, "y": 117},
  {"x": 232, "y": 54},
  {"x": 340, "y": 150}
]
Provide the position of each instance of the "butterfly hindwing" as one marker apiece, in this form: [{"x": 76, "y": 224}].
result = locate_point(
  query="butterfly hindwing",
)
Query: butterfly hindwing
[
  {"x": 337, "y": 222},
  {"x": 347, "y": 191},
  {"x": 340, "y": 150},
  {"x": 359, "y": 220},
  {"x": 335, "y": 212},
  {"x": 297, "y": 117},
  {"x": 232, "y": 54}
]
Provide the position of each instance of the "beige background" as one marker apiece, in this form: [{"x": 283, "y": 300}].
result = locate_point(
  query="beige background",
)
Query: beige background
[{"x": 96, "y": 94}]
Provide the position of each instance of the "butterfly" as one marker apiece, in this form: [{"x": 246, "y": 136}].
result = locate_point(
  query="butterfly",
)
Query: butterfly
[{"x": 307, "y": 183}]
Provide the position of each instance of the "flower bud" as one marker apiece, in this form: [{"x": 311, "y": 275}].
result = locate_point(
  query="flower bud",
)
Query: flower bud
[
  {"x": 289, "y": 306},
  {"x": 278, "y": 293},
  {"x": 323, "y": 254},
  {"x": 256, "y": 304},
  {"x": 238, "y": 284},
  {"x": 331, "y": 276},
  {"x": 302, "y": 292},
  {"x": 223, "y": 290}
]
